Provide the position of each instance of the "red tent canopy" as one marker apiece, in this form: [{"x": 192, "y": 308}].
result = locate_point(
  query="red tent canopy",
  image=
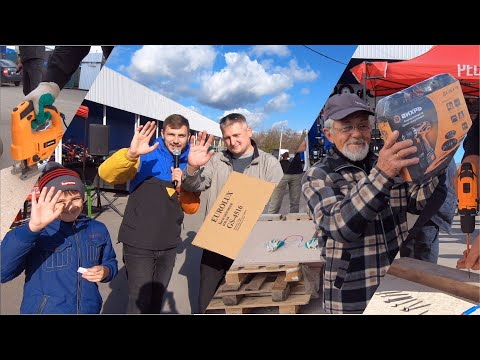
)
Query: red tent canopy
[{"x": 461, "y": 61}]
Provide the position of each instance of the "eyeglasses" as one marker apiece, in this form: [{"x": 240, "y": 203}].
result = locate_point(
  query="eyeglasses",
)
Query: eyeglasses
[{"x": 349, "y": 129}]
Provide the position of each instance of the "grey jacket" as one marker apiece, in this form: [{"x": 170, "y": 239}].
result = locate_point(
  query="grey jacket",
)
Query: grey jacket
[{"x": 215, "y": 173}]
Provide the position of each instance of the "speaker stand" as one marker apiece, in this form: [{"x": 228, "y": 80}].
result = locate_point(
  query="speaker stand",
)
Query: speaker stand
[{"x": 101, "y": 208}]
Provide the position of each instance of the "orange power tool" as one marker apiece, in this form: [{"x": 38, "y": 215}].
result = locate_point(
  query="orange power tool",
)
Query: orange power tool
[
  {"x": 467, "y": 199},
  {"x": 33, "y": 143}
]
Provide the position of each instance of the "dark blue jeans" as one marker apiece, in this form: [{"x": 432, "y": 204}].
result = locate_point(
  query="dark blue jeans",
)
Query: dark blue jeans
[
  {"x": 425, "y": 246},
  {"x": 148, "y": 275}
]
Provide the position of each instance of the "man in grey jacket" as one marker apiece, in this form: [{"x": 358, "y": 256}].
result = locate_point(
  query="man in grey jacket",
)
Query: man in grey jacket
[
  {"x": 360, "y": 204},
  {"x": 208, "y": 171}
]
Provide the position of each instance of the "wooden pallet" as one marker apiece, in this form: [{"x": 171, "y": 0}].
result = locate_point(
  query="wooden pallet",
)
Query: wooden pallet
[
  {"x": 290, "y": 306},
  {"x": 262, "y": 284},
  {"x": 236, "y": 276}
]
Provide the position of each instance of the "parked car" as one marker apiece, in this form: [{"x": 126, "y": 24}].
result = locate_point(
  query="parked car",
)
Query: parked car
[{"x": 8, "y": 72}]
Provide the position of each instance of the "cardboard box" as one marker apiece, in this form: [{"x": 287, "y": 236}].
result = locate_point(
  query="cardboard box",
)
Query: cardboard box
[
  {"x": 234, "y": 214},
  {"x": 432, "y": 113}
]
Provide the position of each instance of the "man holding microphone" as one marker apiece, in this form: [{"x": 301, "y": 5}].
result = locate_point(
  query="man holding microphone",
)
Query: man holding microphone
[{"x": 150, "y": 230}]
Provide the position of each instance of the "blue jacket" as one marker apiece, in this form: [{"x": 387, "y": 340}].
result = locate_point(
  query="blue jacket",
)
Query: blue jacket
[{"x": 51, "y": 259}]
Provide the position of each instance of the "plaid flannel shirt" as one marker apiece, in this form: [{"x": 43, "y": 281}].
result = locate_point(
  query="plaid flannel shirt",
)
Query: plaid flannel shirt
[{"x": 362, "y": 220}]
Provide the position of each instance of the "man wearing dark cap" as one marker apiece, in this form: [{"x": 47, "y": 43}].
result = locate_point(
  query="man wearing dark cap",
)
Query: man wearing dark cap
[
  {"x": 64, "y": 254},
  {"x": 359, "y": 204}
]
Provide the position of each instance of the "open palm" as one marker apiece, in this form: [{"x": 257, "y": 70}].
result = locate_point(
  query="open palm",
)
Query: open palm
[
  {"x": 43, "y": 210},
  {"x": 199, "y": 154},
  {"x": 140, "y": 144}
]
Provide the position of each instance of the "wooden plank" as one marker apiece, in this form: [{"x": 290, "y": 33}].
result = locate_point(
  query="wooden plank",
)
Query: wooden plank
[
  {"x": 233, "y": 278},
  {"x": 266, "y": 290},
  {"x": 280, "y": 288},
  {"x": 231, "y": 299},
  {"x": 263, "y": 268},
  {"x": 449, "y": 280},
  {"x": 293, "y": 274},
  {"x": 256, "y": 282},
  {"x": 288, "y": 309},
  {"x": 231, "y": 287},
  {"x": 235, "y": 311},
  {"x": 255, "y": 302}
]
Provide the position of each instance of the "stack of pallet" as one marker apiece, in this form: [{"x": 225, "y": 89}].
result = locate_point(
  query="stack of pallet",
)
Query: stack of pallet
[{"x": 283, "y": 286}]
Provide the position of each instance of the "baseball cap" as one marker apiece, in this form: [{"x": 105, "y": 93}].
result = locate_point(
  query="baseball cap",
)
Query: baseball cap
[{"x": 339, "y": 106}]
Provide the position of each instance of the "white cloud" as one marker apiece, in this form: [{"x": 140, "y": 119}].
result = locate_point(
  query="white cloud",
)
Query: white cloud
[
  {"x": 170, "y": 69},
  {"x": 301, "y": 74},
  {"x": 254, "y": 119},
  {"x": 243, "y": 81},
  {"x": 280, "y": 124},
  {"x": 305, "y": 91},
  {"x": 279, "y": 50},
  {"x": 278, "y": 103}
]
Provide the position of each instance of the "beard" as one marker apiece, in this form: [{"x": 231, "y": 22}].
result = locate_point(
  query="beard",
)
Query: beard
[{"x": 355, "y": 155}]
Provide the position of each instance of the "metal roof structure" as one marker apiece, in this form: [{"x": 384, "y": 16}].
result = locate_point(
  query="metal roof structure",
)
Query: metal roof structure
[
  {"x": 390, "y": 52},
  {"x": 118, "y": 91}
]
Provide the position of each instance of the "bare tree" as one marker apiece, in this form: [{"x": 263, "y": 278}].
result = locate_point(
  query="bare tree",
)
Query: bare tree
[{"x": 270, "y": 139}]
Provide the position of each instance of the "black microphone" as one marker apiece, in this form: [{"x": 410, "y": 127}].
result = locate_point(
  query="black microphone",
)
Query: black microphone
[{"x": 176, "y": 163}]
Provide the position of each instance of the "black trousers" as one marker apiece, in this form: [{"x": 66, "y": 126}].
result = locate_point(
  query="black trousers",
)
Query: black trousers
[
  {"x": 32, "y": 74},
  {"x": 213, "y": 268},
  {"x": 148, "y": 275}
]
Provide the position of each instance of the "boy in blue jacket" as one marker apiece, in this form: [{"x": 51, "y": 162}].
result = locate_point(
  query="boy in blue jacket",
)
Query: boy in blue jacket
[{"x": 63, "y": 253}]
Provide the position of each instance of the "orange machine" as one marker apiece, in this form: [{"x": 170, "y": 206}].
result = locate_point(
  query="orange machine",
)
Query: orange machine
[{"x": 33, "y": 143}]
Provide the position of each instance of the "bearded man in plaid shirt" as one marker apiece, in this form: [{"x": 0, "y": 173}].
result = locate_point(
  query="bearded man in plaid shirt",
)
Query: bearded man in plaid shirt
[{"x": 359, "y": 204}]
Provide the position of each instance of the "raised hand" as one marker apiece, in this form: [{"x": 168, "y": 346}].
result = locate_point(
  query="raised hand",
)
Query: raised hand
[
  {"x": 44, "y": 210},
  {"x": 391, "y": 157},
  {"x": 199, "y": 154},
  {"x": 140, "y": 144}
]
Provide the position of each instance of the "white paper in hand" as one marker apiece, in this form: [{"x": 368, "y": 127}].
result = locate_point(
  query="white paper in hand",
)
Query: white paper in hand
[{"x": 81, "y": 270}]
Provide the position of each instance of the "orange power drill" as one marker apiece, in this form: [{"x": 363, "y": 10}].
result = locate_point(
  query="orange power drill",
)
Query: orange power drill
[{"x": 467, "y": 199}]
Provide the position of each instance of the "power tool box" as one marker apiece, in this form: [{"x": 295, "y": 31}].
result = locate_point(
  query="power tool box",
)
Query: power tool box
[{"x": 432, "y": 113}]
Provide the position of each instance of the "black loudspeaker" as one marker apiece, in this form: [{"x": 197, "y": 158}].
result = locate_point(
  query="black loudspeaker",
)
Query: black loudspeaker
[{"x": 98, "y": 139}]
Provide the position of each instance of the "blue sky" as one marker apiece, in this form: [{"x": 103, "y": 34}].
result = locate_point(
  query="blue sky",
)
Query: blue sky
[{"x": 271, "y": 85}]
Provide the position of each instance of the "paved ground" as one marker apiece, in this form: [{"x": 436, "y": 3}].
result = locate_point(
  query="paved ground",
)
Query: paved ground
[{"x": 183, "y": 289}]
